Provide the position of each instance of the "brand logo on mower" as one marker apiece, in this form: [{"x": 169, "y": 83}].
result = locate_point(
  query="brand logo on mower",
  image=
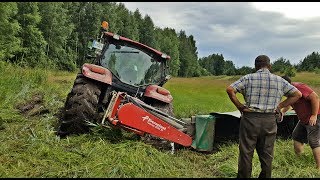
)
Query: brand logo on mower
[{"x": 153, "y": 124}]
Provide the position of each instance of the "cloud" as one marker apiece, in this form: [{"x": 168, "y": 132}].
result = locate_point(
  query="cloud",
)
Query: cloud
[
  {"x": 295, "y": 10},
  {"x": 237, "y": 30}
]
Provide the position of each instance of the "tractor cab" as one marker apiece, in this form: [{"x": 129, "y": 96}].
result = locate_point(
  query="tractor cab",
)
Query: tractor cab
[{"x": 129, "y": 61}]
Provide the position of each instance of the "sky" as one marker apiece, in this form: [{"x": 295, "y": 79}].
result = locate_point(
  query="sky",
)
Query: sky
[{"x": 241, "y": 31}]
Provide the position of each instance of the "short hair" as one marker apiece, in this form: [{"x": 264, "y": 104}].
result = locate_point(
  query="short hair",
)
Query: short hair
[
  {"x": 262, "y": 61},
  {"x": 287, "y": 78}
]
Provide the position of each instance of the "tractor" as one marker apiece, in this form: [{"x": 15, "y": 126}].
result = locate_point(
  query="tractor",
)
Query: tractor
[{"x": 123, "y": 88}]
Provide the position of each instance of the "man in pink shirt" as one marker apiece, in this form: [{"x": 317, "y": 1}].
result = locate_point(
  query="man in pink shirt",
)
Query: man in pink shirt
[{"x": 307, "y": 129}]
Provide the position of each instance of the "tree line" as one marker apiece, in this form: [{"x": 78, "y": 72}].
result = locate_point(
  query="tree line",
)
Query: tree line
[{"x": 55, "y": 35}]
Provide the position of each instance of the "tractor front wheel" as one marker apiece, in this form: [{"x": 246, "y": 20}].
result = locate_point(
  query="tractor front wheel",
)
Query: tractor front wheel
[
  {"x": 81, "y": 107},
  {"x": 164, "y": 107},
  {"x": 158, "y": 142}
]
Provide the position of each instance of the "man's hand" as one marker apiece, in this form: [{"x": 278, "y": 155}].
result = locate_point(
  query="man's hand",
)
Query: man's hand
[
  {"x": 313, "y": 120},
  {"x": 279, "y": 115},
  {"x": 314, "y": 101},
  {"x": 243, "y": 108}
]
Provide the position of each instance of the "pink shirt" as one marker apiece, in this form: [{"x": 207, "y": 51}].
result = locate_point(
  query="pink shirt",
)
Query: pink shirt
[{"x": 303, "y": 106}]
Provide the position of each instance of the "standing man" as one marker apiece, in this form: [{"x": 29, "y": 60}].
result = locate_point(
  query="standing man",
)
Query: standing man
[
  {"x": 307, "y": 129},
  {"x": 262, "y": 92}
]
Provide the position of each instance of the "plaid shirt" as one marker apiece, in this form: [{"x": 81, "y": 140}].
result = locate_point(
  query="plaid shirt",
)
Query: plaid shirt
[{"x": 262, "y": 90}]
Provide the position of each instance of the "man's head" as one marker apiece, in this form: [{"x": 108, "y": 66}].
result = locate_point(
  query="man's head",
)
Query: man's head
[
  {"x": 262, "y": 61},
  {"x": 287, "y": 78}
]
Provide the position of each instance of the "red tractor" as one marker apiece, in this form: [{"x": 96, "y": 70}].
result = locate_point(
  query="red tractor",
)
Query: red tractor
[{"x": 124, "y": 88}]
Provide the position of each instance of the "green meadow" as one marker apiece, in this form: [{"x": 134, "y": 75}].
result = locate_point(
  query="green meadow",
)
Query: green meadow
[
  {"x": 30, "y": 148},
  {"x": 200, "y": 95}
]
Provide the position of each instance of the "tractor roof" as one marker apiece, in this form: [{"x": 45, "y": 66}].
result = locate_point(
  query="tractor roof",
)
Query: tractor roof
[{"x": 139, "y": 44}]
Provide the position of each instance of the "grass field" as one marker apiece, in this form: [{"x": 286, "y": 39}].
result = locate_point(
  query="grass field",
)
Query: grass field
[
  {"x": 29, "y": 147},
  {"x": 200, "y": 95}
]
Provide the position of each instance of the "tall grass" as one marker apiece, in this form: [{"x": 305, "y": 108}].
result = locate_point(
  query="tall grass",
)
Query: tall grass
[
  {"x": 17, "y": 84},
  {"x": 29, "y": 147}
]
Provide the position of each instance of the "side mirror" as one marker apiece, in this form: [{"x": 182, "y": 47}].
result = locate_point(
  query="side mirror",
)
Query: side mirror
[
  {"x": 165, "y": 80},
  {"x": 95, "y": 44}
]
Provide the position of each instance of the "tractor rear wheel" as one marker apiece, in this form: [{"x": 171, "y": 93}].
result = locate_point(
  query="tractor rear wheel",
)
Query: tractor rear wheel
[{"x": 81, "y": 107}]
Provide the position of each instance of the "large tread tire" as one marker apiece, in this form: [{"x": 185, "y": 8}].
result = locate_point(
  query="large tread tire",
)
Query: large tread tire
[
  {"x": 81, "y": 106},
  {"x": 164, "y": 107},
  {"x": 158, "y": 142}
]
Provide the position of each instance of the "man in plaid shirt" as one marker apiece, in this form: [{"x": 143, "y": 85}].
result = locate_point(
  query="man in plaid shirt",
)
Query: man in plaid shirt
[{"x": 262, "y": 92}]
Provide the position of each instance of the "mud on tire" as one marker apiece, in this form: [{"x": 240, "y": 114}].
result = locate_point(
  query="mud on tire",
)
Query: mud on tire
[
  {"x": 158, "y": 142},
  {"x": 81, "y": 105},
  {"x": 164, "y": 107}
]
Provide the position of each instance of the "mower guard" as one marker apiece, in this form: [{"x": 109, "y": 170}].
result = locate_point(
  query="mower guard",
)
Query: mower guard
[{"x": 134, "y": 115}]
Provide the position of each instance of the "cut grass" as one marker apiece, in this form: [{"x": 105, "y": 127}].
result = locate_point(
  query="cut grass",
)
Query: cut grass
[{"x": 29, "y": 147}]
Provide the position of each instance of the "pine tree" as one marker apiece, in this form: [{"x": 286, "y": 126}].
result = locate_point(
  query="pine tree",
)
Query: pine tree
[
  {"x": 32, "y": 41},
  {"x": 9, "y": 28},
  {"x": 57, "y": 28}
]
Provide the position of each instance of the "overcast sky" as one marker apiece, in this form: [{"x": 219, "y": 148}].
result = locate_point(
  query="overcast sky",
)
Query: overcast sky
[{"x": 241, "y": 31}]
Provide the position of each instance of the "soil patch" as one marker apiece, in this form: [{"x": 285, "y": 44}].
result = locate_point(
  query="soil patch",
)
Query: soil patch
[{"x": 33, "y": 107}]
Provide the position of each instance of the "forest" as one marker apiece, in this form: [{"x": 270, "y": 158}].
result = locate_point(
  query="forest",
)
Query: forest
[{"x": 54, "y": 35}]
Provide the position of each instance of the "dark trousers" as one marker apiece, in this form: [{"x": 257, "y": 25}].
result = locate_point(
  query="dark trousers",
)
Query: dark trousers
[{"x": 257, "y": 131}]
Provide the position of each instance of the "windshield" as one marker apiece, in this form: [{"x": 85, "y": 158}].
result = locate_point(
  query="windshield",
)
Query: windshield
[{"x": 132, "y": 65}]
